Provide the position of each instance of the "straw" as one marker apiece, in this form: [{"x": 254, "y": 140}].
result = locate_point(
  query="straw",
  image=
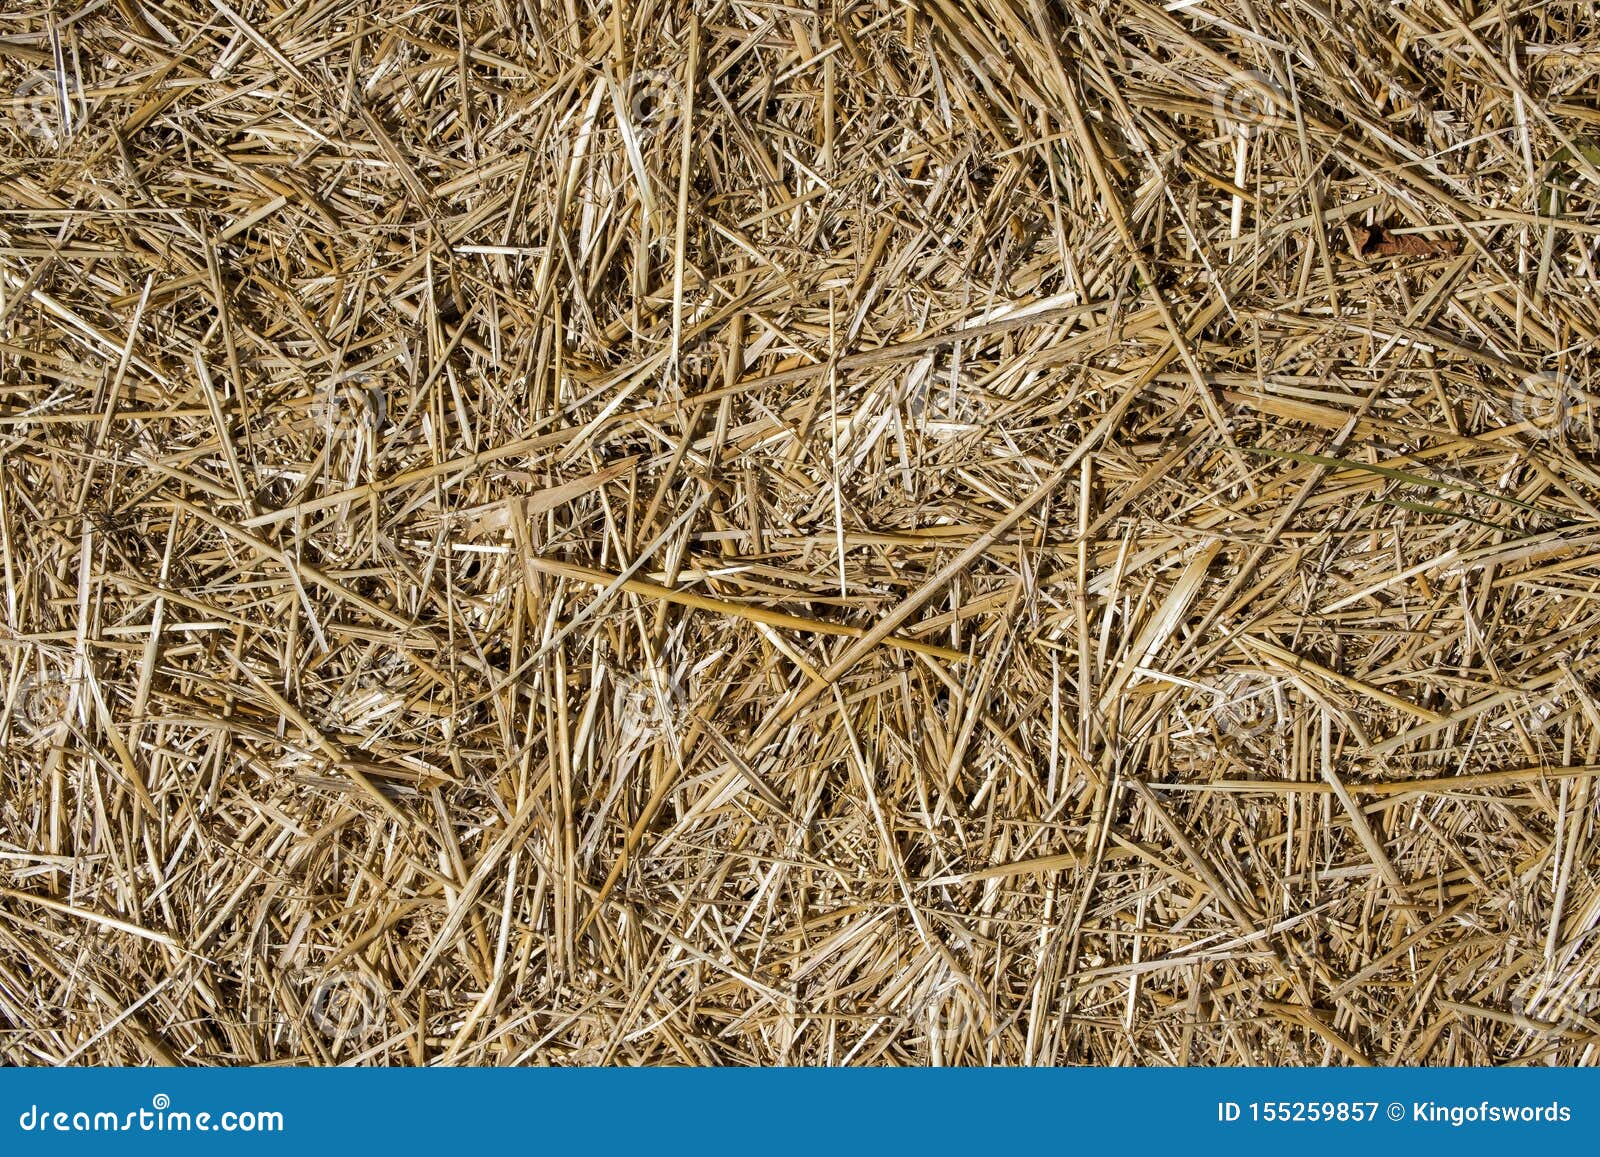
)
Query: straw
[{"x": 871, "y": 533}]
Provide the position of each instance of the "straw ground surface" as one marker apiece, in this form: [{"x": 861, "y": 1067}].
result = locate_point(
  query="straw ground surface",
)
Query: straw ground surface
[{"x": 848, "y": 532}]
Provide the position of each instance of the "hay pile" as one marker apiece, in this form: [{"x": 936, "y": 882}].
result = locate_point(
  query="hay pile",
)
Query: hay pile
[{"x": 962, "y": 531}]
